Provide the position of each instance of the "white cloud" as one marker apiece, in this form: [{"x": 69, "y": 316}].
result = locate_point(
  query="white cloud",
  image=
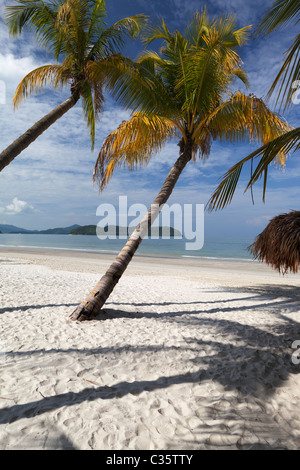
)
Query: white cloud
[
  {"x": 13, "y": 69},
  {"x": 16, "y": 207}
]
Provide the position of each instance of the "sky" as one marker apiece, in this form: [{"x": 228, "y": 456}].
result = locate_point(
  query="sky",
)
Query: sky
[{"x": 50, "y": 183}]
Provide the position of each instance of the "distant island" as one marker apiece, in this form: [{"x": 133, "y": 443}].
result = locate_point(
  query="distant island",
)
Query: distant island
[
  {"x": 83, "y": 230},
  {"x": 87, "y": 230},
  {"x": 115, "y": 230},
  {"x": 4, "y": 228}
]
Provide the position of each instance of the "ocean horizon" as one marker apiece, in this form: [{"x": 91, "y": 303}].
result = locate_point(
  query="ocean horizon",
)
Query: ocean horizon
[{"x": 219, "y": 248}]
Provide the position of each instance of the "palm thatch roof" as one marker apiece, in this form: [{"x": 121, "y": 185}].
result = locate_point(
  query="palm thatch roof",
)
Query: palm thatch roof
[{"x": 279, "y": 244}]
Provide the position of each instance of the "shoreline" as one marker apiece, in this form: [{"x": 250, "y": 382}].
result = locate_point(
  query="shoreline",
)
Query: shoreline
[
  {"x": 140, "y": 261},
  {"x": 209, "y": 251},
  {"x": 89, "y": 253}
]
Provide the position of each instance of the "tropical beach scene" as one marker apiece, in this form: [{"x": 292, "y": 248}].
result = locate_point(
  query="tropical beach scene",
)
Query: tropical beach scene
[{"x": 149, "y": 227}]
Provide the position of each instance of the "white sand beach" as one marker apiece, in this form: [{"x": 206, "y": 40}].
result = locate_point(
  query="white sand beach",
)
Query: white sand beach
[{"x": 188, "y": 354}]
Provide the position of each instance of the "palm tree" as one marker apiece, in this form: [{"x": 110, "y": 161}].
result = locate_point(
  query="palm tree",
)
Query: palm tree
[
  {"x": 281, "y": 13},
  {"x": 183, "y": 92},
  {"x": 75, "y": 31}
]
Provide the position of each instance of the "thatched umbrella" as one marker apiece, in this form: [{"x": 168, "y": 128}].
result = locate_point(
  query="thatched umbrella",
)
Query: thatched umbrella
[{"x": 279, "y": 243}]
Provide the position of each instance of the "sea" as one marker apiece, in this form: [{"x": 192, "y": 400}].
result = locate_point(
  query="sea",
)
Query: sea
[{"x": 214, "y": 248}]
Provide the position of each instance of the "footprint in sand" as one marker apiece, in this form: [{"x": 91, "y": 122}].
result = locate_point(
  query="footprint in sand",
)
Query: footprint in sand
[
  {"x": 222, "y": 440},
  {"x": 165, "y": 429},
  {"x": 110, "y": 428},
  {"x": 111, "y": 440},
  {"x": 69, "y": 421}
]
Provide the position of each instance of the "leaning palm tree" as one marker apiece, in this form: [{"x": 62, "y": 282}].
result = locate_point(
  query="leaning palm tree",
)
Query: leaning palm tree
[
  {"x": 75, "y": 32},
  {"x": 183, "y": 92},
  {"x": 281, "y": 13}
]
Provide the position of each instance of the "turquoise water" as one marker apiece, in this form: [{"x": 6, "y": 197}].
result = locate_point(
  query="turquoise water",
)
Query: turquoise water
[{"x": 213, "y": 248}]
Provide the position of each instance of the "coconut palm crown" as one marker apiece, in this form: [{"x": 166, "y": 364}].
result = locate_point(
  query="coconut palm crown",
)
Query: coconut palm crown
[
  {"x": 75, "y": 33},
  {"x": 182, "y": 92}
]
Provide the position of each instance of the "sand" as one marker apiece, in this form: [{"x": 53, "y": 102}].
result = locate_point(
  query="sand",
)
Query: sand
[{"x": 188, "y": 354}]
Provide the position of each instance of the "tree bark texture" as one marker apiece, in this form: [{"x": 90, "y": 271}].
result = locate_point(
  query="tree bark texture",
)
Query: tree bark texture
[{"x": 20, "y": 144}]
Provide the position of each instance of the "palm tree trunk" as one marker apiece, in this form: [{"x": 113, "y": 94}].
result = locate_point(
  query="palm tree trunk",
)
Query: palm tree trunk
[
  {"x": 95, "y": 300},
  {"x": 7, "y": 156}
]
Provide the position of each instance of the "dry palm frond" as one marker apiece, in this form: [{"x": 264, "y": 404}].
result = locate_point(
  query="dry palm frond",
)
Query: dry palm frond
[
  {"x": 248, "y": 116},
  {"x": 37, "y": 79},
  {"x": 132, "y": 144},
  {"x": 279, "y": 244}
]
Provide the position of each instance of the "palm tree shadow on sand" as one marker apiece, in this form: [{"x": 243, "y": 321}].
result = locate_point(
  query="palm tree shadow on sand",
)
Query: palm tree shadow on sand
[
  {"x": 255, "y": 363},
  {"x": 24, "y": 308}
]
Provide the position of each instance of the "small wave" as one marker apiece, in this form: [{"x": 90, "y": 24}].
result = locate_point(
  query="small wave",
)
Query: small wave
[
  {"x": 52, "y": 248},
  {"x": 215, "y": 258}
]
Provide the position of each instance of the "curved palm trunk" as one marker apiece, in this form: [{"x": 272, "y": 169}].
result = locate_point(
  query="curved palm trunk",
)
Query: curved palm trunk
[
  {"x": 95, "y": 300},
  {"x": 20, "y": 144}
]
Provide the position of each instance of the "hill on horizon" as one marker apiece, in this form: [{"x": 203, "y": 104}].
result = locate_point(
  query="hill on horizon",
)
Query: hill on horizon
[
  {"x": 115, "y": 230},
  {"x": 5, "y": 228},
  {"x": 88, "y": 230}
]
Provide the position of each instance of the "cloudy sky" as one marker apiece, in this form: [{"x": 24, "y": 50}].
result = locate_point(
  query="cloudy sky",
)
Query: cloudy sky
[{"x": 50, "y": 183}]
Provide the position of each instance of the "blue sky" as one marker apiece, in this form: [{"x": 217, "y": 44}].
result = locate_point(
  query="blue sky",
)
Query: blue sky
[{"x": 50, "y": 183}]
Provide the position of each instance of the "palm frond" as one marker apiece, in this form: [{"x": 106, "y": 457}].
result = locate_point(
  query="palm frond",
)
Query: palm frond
[
  {"x": 131, "y": 145},
  {"x": 135, "y": 86},
  {"x": 284, "y": 144},
  {"x": 73, "y": 21},
  {"x": 97, "y": 14},
  {"x": 36, "y": 80},
  {"x": 288, "y": 75},
  {"x": 246, "y": 117},
  {"x": 212, "y": 66},
  {"x": 131, "y": 26},
  {"x": 98, "y": 98},
  {"x": 278, "y": 15},
  {"x": 223, "y": 195},
  {"x": 108, "y": 41},
  {"x": 89, "y": 110},
  {"x": 241, "y": 74},
  {"x": 197, "y": 28},
  {"x": 156, "y": 30},
  {"x": 36, "y": 16},
  {"x": 151, "y": 60}
]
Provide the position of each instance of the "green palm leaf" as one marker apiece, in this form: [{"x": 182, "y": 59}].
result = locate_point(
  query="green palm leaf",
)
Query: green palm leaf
[
  {"x": 75, "y": 32},
  {"x": 281, "y": 13},
  {"x": 282, "y": 145},
  {"x": 36, "y": 16},
  {"x": 289, "y": 75}
]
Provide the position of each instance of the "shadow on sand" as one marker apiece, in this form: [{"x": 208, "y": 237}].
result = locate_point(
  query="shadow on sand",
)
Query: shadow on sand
[{"x": 255, "y": 363}]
